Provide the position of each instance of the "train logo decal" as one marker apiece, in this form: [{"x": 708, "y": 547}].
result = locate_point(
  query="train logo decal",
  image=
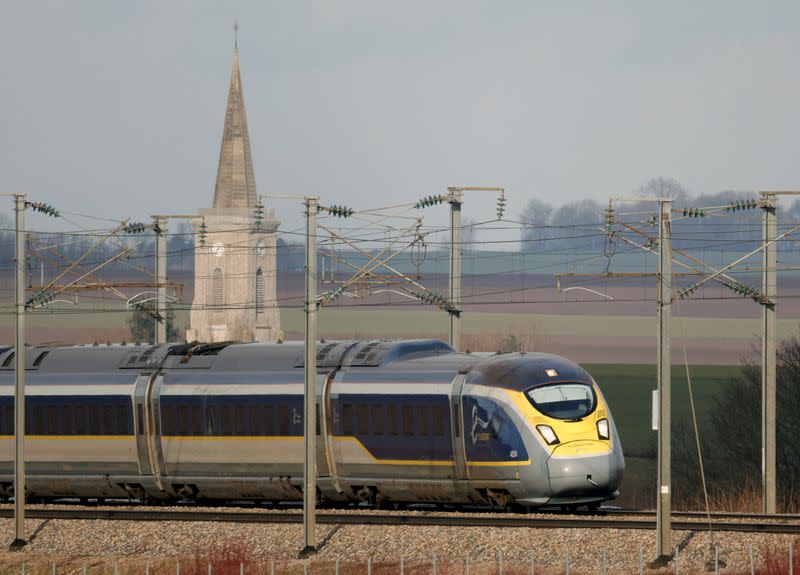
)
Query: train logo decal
[
  {"x": 493, "y": 436},
  {"x": 477, "y": 423}
]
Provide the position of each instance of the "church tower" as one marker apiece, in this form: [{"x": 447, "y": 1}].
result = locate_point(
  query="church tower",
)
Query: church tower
[{"x": 234, "y": 272}]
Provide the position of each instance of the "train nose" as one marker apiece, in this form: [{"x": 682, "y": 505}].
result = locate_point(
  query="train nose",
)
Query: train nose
[{"x": 585, "y": 467}]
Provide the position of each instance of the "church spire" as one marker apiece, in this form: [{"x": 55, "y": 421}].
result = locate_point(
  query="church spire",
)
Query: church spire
[{"x": 236, "y": 180}]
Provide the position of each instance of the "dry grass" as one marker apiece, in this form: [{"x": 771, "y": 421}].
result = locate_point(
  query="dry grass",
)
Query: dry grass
[
  {"x": 230, "y": 557},
  {"x": 744, "y": 499},
  {"x": 775, "y": 560}
]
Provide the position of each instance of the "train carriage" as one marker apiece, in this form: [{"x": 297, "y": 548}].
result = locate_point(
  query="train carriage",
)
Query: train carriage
[{"x": 406, "y": 421}]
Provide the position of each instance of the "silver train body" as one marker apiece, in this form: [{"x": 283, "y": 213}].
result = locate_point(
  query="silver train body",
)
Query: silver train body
[{"x": 406, "y": 421}]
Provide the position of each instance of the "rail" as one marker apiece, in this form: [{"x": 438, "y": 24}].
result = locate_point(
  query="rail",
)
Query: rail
[{"x": 748, "y": 523}]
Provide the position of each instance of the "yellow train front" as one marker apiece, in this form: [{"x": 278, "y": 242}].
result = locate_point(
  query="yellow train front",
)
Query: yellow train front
[{"x": 548, "y": 411}]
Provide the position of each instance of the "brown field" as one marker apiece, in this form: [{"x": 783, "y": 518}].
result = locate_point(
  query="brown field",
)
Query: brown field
[{"x": 577, "y": 324}]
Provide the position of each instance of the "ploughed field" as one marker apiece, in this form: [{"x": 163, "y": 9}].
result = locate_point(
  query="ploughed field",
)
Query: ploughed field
[{"x": 719, "y": 328}]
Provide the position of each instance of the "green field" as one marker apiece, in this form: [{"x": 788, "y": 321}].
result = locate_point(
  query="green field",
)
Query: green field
[
  {"x": 336, "y": 322},
  {"x": 628, "y": 390},
  {"x": 419, "y": 322}
]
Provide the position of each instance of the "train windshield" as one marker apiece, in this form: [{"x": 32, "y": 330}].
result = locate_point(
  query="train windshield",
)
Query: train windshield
[{"x": 571, "y": 401}]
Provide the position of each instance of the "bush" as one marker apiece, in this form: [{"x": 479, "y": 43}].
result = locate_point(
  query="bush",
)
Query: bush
[
  {"x": 731, "y": 439},
  {"x": 142, "y": 324}
]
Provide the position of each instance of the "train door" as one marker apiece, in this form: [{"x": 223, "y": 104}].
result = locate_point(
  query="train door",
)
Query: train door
[
  {"x": 457, "y": 427},
  {"x": 140, "y": 411},
  {"x": 146, "y": 424},
  {"x": 326, "y": 462},
  {"x": 154, "y": 435}
]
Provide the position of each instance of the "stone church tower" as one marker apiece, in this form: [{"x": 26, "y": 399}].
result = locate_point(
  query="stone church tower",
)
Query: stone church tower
[{"x": 234, "y": 273}]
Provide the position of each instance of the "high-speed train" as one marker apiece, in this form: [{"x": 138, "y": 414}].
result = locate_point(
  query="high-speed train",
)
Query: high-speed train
[{"x": 398, "y": 422}]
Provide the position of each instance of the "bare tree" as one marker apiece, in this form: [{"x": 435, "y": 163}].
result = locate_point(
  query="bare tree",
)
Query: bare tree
[
  {"x": 535, "y": 217},
  {"x": 662, "y": 187},
  {"x": 469, "y": 234}
]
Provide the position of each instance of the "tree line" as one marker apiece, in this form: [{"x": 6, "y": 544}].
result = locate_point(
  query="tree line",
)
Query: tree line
[{"x": 579, "y": 225}]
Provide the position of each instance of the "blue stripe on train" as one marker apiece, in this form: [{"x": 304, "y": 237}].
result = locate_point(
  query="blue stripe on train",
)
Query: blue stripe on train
[
  {"x": 406, "y": 427},
  {"x": 70, "y": 415}
]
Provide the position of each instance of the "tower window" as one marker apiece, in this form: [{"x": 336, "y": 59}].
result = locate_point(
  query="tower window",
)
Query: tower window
[
  {"x": 259, "y": 290},
  {"x": 216, "y": 287}
]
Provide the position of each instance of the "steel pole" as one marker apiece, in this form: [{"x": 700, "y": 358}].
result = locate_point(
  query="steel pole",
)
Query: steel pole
[
  {"x": 664, "y": 506},
  {"x": 455, "y": 269},
  {"x": 768, "y": 354},
  {"x": 310, "y": 393},
  {"x": 19, "y": 375},
  {"x": 161, "y": 280}
]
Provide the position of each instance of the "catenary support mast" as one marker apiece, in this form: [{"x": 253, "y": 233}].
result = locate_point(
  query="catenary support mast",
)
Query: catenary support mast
[
  {"x": 768, "y": 358},
  {"x": 664, "y": 495},
  {"x": 310, "y": 395},
  {"x": 161, "y": 280},
  {"x": 455, "y": 268},
  {"x": 19, "y": 375}
]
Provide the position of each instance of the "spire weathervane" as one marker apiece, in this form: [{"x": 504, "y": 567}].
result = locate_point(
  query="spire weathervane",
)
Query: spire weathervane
[{"x": 236, "y": 33}]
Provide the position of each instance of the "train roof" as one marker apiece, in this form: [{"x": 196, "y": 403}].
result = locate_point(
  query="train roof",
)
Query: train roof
[
  {"x": 223, "y": 357},
  {"x": 510, "y": 371},
  {"x": 522, "y": 371}
]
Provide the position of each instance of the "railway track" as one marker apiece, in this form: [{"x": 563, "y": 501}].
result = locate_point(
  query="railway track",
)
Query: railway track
[
  {"x": 449, "y": 520},
  {"x": 702, "y": 515}
]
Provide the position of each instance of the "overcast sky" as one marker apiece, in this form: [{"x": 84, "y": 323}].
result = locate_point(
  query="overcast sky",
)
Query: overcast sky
[{"x": 116, "y": 108}]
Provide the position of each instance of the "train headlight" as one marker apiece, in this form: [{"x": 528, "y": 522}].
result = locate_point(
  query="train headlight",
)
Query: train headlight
[
  {"x": 548, "y": 434},
  {"x": 602, "y": 429}
]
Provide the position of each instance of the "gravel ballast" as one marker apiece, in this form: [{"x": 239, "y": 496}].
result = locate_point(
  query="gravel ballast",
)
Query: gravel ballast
[{"x": 453, "y": 547}]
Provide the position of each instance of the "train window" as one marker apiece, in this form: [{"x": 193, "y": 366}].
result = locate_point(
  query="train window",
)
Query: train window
[
  {"x": 139, "y": 417},
  {"x": 37, "y": 421},
  {"x": 67, "y": 422},
  {"x": 94, "y": 419},
  {"x": 168, "y": 420},
  {"x": 283, "y": 420},
  {"x": 362, "y": 417},
  {"x": 7, "y": 424},
  {"x": 226, "y": 425},
  {"x": 438, "y": 421},
  {"x": 52, "y": 420},
  {"x": 269, "y": 420},
  {"x": 108, "y": 420},
  {"x": 211, "y": 427},
  {"x": 123, "y": 420},
  {"x": 197, "y": 420},
  {"x": 408, "y": 420},
  {"x": 255, "y": 424},
  {"x": 80, "y": 420},
  {"x": 347, "y": 419},
  {"x": 570, "y": 401},
  {"x": 241, "y": 420},
  {"x": 378, "y": 422},
  {"x": 393, "y": 420},
  {"x": 183, "y": 420},
  {"x": 424, "y": 418},
  {"x": 456, "y": 417}
]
